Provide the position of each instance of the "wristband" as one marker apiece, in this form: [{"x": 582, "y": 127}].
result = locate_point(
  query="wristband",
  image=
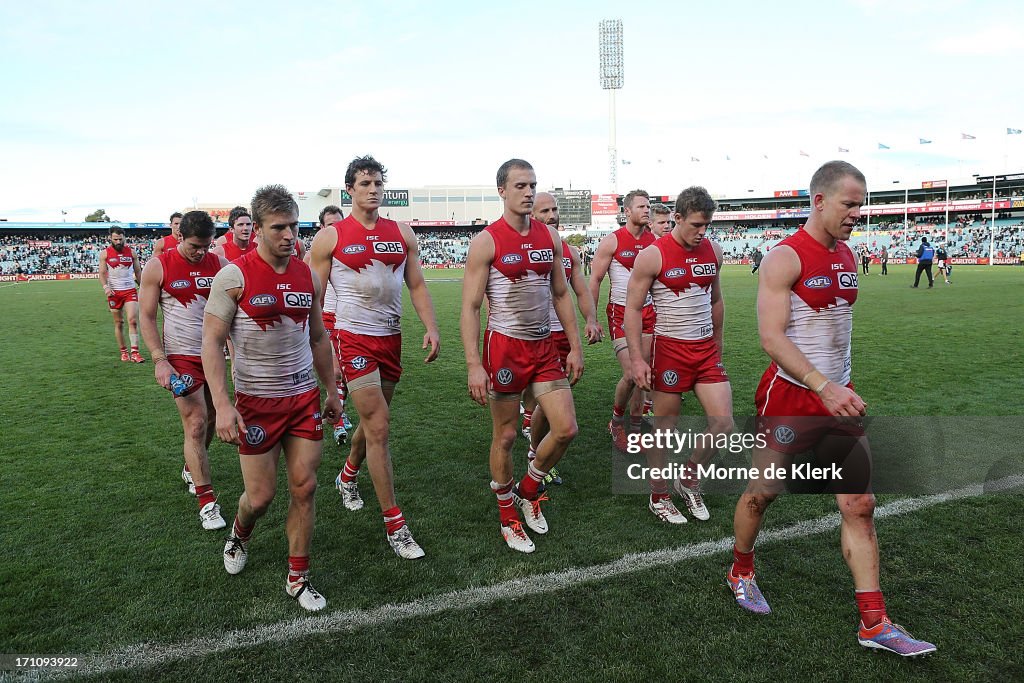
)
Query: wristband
[
  {"x": 813, "y": 378},
  {"x": 161, "y": 359},
  {"x": 821, "y": 387}
]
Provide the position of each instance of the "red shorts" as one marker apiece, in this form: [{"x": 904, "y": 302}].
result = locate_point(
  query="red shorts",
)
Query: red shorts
[
  {"x": 190, "y": 370},
  {"x": 513, "y": 364},
  {"x": 120, "y": 297},
  {"x": 615, "y": 319},
  {"x": 793, "y": 418},
  {"x": 329, "y": 319},
  {"x": 361, "y": 354},
  {"x": 268, "y": 420},
  {"x": 677, "y": 365},
  {"x": 561, "y": 341}
]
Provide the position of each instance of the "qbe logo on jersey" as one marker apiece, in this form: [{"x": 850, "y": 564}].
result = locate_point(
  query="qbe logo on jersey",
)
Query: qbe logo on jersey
[
  {"x": 541, "y": 256},
  {"x": 298, "y": 300},
  {"x": 204, "y": 282},
  {"x": 388, "y": 248},
  {"x": 704, "y": 269},
  {"x": 847, "y": 280}
]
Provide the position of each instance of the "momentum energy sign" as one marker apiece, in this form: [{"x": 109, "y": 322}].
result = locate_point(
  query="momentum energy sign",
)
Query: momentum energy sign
[{"x": 391, "y": 198}]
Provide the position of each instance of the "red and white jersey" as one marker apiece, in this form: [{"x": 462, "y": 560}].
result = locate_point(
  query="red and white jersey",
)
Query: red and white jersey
[
  {"x": 270, "y": 329},
  {"x": 184, "y": 291},
  {"x": 821, "y": 306},
  {"x": 519, "y": 282},
  {"x": 170, "y": 242},
  {"x": 367, "y": 273},
  {"x": 682, "y": 290},
  {"x": 556, "y": 324},
  {"x": 626, "y": 249},
  {"x": 233, "y": 252},
  {"x": 120, "y": 268}
]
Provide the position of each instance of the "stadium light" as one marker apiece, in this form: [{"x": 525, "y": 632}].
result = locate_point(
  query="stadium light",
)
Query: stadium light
[{"x": 612, "y": 77}]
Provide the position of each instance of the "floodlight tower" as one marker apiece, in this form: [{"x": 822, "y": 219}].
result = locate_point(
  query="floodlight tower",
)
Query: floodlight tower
[{"x": 612, "y": 77}]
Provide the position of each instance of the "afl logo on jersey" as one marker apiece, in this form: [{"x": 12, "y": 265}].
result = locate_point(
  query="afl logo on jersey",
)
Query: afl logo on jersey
[
  {"x": 675, "y": 272},
  {"x": 354, "y": 249},
  {"x": 254, "y": 435},
  {"x": 819, "y": 282},
  {"x": 627, "y": 253},
  {"x": 670, "y": 378},
  {"x": 509, "y": 259},
  {"x": 784, "y": 435},
  {"x": 181, "y": 284},
  {"x": 504, "y": 376},
  {"x": 358, "y": 363},
  {"x": 263, "y": 300},
  {"x": 541, "y": 256}
]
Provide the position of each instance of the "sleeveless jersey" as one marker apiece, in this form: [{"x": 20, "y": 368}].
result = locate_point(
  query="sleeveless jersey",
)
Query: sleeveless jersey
[
  {"x": 626, "y": 249},
  {"x": 270, "y": 330},
  {"x": 184, "y": 291},
  {"x": 233, "y": 252},
  {"x": 519, "y": 282},
  {"x": 170, "y": 242},
  {"x": 367, "y": 272},
  {"x": 120, "y": 271},
  {"x": 556, "y": 324},
  {"x": 821, "y": 306},
  {"x": 682, "y": 290}
]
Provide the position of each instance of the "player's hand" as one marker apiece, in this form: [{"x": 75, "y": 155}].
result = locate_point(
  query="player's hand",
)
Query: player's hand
[
  {"x": 163, "y": 371},
  {"x": 230, "y": 426},
  {"x": 842, "y": 401},
  {"x": 594, "y": 332},
  {"x": 107, "y": 290},
  {"x": 479, "y": 384},
  {"x": 432, "y": 339},
  {"x": 574, "y": 366},
  {"x": 641, "y": 372},
  {"x": 332, "y": 409}
]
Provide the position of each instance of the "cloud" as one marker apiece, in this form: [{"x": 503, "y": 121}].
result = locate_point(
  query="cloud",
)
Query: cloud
[{"x": 999, "y": 40}]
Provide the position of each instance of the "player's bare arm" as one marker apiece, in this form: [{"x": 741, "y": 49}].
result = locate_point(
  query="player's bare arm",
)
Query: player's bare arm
[
  {"x": 419, "y": 294},
  {"x": 149, "y": 304},
  {"x": 645, "y": 269},
  {"x": 584, "y": 301},
  {"x": 474, "y": 285},
  {"x": 158, "y": 247},
  {"x": 323, "y": 361},
  {"x": 103, "y": 276},
  {"x": 137, "y": 267},
  {"x": 717, "y": 302},
  {"x": 599, "y": 266},
  {"x": 320, "y": 255},
  {"x": 566, "y": 313},
  {"x": 216, "y": 326},
  {"x": 780, "y": 269}
]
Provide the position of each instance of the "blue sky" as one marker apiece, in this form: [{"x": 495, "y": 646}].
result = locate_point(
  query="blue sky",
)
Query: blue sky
[{"x": 141, "y": 107}]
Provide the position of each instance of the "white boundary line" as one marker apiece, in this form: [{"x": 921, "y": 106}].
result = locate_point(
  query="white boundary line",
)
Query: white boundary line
[{"x": 145, "y": 655}]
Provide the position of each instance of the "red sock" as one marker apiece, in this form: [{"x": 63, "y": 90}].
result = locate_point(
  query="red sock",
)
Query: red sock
[
  {"x": 690, "y": 473},
  {"x": 506, "y": 507},
  {"x": 659, "y": 495},
  {"x": 135, "y": 349},
  {"x": 648, "y": 406},
  {"x": 297, "y": 567},
  {"x": 205, "y": 494},
  {"x": 527, "y": 416},
  {"x": 393, "y": 520},
  {"x": 187, "y": 469},
  {"x": 242, "y": 532},
  {"x": 872, "y": 607},
  {"x": 531, "y": 482},
  {"x": 742, "y": 563},
  {"x": 349, "y": 473},
  {"x": 635, "y": 423},
  {"x": 618, "y": 411}
]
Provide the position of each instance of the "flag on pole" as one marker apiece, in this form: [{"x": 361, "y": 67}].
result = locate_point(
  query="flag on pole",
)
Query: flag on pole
[
  {"x": 694, "y": 159},
  {"x": 727, "y": 158},
  {"x": 843, "y": 149},
  {"x": 626, "y": 163},
  {"x": 924, "y": 142},
  {"x": 765, "y": 156},
  {"x": 1013, "y": 131},
  {"x": 966, "y": 136},
  {"x": 881, "y": 146},
  {"x": 804, "y": 154}
]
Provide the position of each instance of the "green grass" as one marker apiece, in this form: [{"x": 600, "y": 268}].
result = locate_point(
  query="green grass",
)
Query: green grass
[{"x": 104, "y": 550}]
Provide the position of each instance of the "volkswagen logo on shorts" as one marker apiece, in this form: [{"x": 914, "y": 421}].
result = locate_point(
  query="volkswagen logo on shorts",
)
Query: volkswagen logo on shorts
[
  {"x": 187, "y": 379},
  {"x": 784, "y": 435},
  {"x": 358, "y": 363},
  {"x": 504, "y": 376},
  {"x": 670, "y": 377},
  {"x": 254, "y": 435}
]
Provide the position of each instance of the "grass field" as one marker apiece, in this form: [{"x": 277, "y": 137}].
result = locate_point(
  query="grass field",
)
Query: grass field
[{"x": 104, "y": 556}]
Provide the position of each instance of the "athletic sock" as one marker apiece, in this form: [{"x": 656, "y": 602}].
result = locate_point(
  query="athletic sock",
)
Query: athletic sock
[
  {"x": 506, "y": 506},
  {"x": 349, "y": 473},
  {"x": 205, "y": 494},
  {"x": 531, "y": 455},
  {"x": 242, "y": 532},
  {"x": 871, "y": 605},
  {"x": 527, "y": 417},
  {"x": 531, "y": 482},
  {"x": 742, "y": 563},
  {"x": 393, "y": 520},
  {"x": 187, "y": 469},
  {"x": 648, "y": 406},
  {"x": 690, "y": 474},
  {"x": 635, "y": 423},
  {"x": 297, "y": 568},
  {"x": 618, "y": 412},
  {"x": 134, "y": 339}
]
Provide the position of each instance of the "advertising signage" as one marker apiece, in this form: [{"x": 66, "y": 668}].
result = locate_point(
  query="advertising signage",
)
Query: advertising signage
[{"x": 391, "y": 198}]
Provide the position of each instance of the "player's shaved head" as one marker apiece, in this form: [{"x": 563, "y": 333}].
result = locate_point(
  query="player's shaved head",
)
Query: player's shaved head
[
  {"x": 545, "y": 208},
  {"x": 826, "y": 178}
]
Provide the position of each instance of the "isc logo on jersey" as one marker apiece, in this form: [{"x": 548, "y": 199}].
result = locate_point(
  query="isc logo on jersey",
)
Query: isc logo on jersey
[
  {"x": 541, "y": 256},
  {"x": 847, "y": 280},
  {"x": 388, "y": 248},
  {"x": 704, "y": 269},
  {"x": 298, "y": 300}
]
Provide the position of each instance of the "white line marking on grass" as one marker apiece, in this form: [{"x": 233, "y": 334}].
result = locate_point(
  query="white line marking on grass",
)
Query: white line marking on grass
[{"x": 145, "y": 655}]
